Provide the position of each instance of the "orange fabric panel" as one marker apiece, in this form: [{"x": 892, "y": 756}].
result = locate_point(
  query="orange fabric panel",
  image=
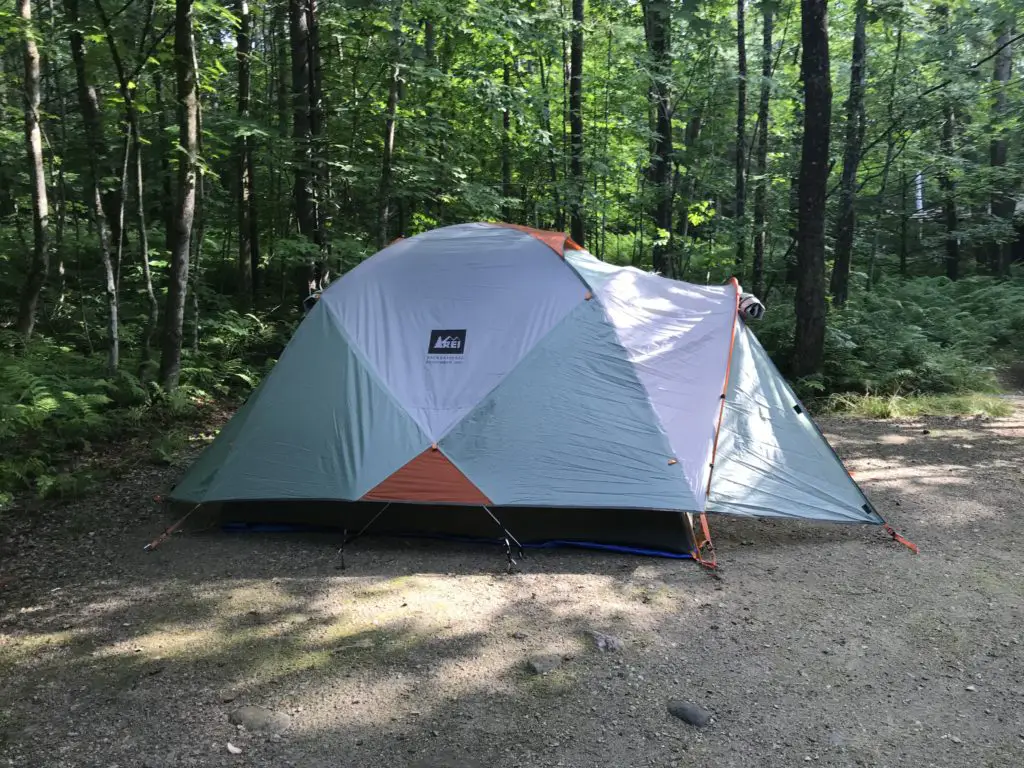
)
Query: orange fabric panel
[
  {"x": 556, "y": 241},
  {"x": 430, "y": 477}
]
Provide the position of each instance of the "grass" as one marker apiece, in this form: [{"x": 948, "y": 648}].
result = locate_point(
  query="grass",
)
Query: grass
[{"x": 911, "y": 406}]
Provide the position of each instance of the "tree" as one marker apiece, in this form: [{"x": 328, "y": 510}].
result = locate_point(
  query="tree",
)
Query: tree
[
  {"x": 40, "y": 263},
  {"x": 840, "y": 283},
  {"x": 390, "y": 118},
  {"x": 248, "y": 232},
  {"x": 761, "y": 168},
  {"x": 576, "y": 122},
  {"x": 947, "y": 183},
  {"x": 741, "y": 134},
  {"x": 185, "y": 201},
  {"x": 126, "y": 88},
  {"x": 1003, "y": 204},
  {"x": 809, "y": 340},
  {"x": 657, "y": 27},
  {"x": 89, "y": 105}
]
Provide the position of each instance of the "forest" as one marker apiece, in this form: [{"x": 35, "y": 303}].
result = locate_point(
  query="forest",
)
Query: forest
[{"x": 177, "y": 176}]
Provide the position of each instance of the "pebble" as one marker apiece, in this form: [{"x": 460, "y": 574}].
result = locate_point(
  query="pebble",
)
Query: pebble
[
  {"x": 689, "y": 713},
  {"x": 606, "y": 642},
  {"x": 972, "y": 687},
  {"x": 260, "y": 719},
  {"x": 541, "y": 665}
]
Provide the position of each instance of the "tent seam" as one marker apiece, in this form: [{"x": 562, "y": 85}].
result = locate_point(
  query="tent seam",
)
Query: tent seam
[{"x": 725, "y": 390}]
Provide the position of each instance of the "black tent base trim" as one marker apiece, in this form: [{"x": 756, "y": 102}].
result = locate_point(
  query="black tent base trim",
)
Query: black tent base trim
[{"x": 654, "y": 533}]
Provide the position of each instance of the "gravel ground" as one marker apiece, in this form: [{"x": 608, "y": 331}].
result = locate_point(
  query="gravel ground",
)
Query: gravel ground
[{"x": 817, "y": 644}]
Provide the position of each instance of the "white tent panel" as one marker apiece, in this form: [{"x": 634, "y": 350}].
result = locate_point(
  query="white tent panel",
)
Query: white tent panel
[
  {"x": 677, "y": 336},
  {"x": 443, "y": 317}
]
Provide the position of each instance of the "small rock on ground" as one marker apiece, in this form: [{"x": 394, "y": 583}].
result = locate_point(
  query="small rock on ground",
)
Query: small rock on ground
[
  {"x": 606, "y": 642},
  {"x": 541, "y": 665},
  {"x": 689, "y": 713},
  {"x": 260, "y": 719}
]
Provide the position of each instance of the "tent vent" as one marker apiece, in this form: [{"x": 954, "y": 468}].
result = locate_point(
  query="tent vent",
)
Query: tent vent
[{"x": 797, "y": 408}]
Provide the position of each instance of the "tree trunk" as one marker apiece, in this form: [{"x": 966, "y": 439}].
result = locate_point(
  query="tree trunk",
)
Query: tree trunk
[
  {"x": 545, "y": 124},
  {"x": 845, "y": 230},
  {"x": 153, "y": 316},
  {"x": 248, "y": 236},
  {"x": 576, "y": 122},
  {"x": 40, "y": 263},
  {"x": 948, "y": 186},
  {"x": 658, "y": 31},
  {"x": 1001, "y": 253},
  {"x": 809, "y": 340},
  {"x": 166, "y": 150},
  {"x": 185, "y": 203},
  {"x": 316, "y": 126},
  {"x": 390, "y": 114},
  {"x": 89, "y": 105},
  {"x": 890, "y": 151},
  {"x": 135, "y": 137},
  {"x": 506, "y": 139},
  {"x": 904, "y": 221},
  {"x": 302, "y": 131},
  {"x": 761, "y": 153},
  {"x": 741, "y": 135}
]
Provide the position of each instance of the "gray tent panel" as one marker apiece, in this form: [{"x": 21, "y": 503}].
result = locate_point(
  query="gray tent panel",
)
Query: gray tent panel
[
  {"x": 324, "y": 428},
  {"x": 772, "y": 461},
  {"x": 571, "y": 426}
]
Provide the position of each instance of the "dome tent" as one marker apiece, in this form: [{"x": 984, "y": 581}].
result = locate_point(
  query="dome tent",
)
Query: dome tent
[{"x": 485, "y": 372}]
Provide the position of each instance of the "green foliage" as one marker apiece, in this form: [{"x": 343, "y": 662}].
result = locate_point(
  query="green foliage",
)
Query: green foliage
[
  {"x": 57, "y": 404},
  {"x": 927, "y": 335},
  {"x": 901, "y": 407}
]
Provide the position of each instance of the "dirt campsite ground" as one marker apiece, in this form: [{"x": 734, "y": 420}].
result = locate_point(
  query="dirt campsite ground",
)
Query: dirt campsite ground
[{"x": 817, "y": 644}]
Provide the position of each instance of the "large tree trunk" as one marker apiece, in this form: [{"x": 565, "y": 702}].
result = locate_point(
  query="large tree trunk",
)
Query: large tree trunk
[
  {"x": 658, "y": 25},
  {"x": 185, "y": 203},
  {"x": 809, "y": 340},
  {"x": 390, "y": 115},
  {"x": 248, "y": 235},
  {"x": 948, "y": 186},
  {"x": 302, "y": 131},
  {"x": 741, "y": 135},
  {"x": 89, "y": 105},
  {"x": 576, "y": 122},
  {"x": 761, "y": 152},
  {"x": 40, "y": 263},
  {"x": 846, "y": 227},
  {"x": 1001, "y": 253}
]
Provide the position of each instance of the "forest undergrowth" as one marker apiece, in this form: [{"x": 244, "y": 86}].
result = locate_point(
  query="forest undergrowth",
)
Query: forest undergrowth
[{"x": 925, "y": 346}]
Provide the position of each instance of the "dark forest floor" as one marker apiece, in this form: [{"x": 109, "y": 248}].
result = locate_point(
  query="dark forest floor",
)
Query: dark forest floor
[{"x": 818, "y": 644}]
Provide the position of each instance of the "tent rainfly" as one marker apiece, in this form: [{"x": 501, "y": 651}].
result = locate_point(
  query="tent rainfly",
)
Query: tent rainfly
[{"x": 484, "y": 378}]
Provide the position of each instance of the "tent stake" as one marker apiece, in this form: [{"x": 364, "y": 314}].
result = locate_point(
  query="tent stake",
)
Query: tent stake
[
  {"x": 346, "y": 540},
  {"x": 508, "y": 546}
]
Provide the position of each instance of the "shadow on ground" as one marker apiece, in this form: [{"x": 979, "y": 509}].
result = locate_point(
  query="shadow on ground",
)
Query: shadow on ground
[{"x": 823, "y": 644}]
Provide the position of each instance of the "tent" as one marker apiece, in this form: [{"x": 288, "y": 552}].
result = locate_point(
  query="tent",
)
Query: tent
[{"x": 487, "y": 379}]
